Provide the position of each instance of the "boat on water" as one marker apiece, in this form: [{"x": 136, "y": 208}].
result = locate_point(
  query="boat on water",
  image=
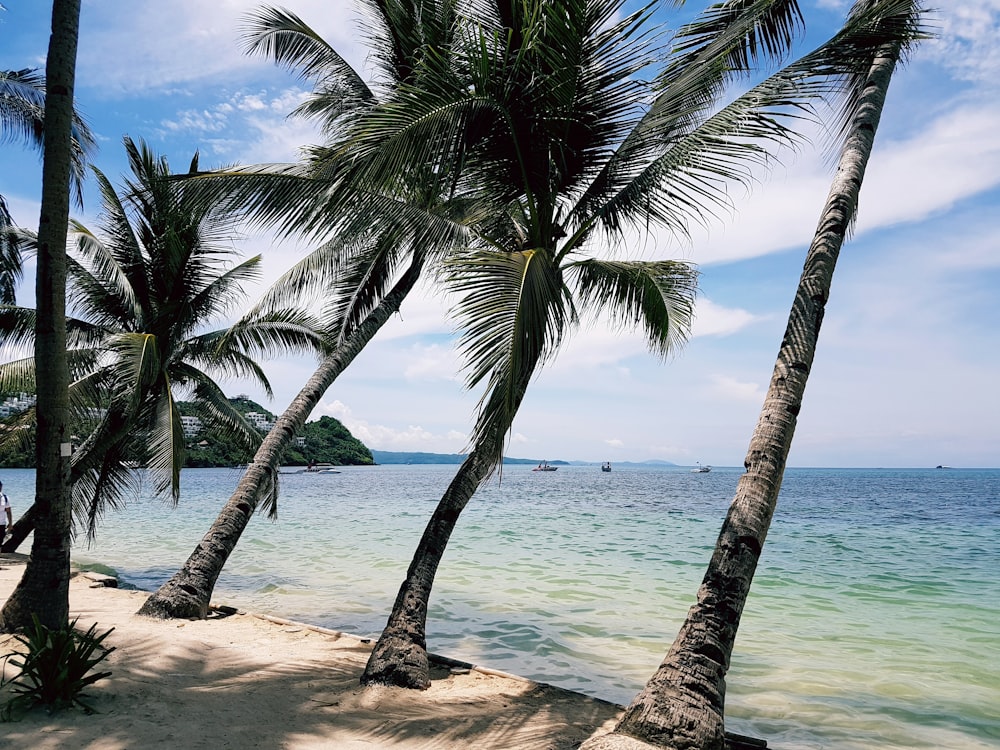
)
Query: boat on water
[
  {"x": 606, "y": 466},
  {"x": 320, "y": 468},
  {"x": 544, "y": 466},
  {"x": 701, "y": 469}
]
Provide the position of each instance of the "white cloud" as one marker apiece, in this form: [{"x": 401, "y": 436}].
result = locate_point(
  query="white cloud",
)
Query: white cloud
[
  {"x": 731, "y": 389},
  {"x": 966, "y": 40},
  {"x": 615, "y": 443},
  {"x": 433, "y": 362},
  {"x": 957, "y": 156},
  {"x": 137, "y": 51},
  {"x": 714, "y": 320},
  {"x": 382, "y": 437}
]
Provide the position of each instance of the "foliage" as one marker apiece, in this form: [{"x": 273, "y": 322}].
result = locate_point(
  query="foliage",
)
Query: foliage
[
  {"x": 144, "y": 289},
  {"x": 22, "y": 118},
  {"x": 326, "y": 441},
  {"x": 56, "y": 667}
]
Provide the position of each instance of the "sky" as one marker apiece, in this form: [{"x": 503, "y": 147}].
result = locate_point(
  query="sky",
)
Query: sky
[{"x": 906, "y": 369}]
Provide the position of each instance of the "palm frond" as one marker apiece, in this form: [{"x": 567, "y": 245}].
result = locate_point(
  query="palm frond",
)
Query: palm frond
[
  {"x": 17, "y": 328},
  {"x": 15, "y": 244},
  {"x": 513, "y": 315},
  {"x": 22, "y": 118},
  {"x": 656, "y": 296},
  {"x": 871, "y": 27},
  {"x": 272, "y": 332},
  {"x": 17, "y": 430},
  {"x": 18, "y": 376},
  {"x": 338, "y": 90},
  {"x": 166, "y": 449},
  {"x": 691, "y": 177},
  {"x": 223, "y": 292}
]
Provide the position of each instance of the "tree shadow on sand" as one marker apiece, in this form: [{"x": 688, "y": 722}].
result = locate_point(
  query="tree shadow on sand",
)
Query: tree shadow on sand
[{"x": 242, "y": 681}]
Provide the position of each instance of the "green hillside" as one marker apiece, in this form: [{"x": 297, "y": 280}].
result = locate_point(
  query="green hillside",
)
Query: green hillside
[{"x": 323, "y": 441}]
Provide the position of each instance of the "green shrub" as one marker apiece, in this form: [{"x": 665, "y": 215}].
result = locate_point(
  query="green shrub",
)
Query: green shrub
[{"x": 56, "y": 667}]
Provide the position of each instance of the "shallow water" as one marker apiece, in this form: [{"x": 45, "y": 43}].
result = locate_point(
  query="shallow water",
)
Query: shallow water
[{"x": 874, "y": 619}]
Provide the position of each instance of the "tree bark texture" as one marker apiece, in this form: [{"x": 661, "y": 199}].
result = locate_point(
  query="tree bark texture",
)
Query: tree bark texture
[
  {"x": 44, "y": 588},
  {"x": 400, "y": 655},
  {"x": 188, "y": 593},
  {"x": 682, "y": 705}
]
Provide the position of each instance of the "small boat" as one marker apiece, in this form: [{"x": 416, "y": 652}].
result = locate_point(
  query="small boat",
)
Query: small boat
[
  {"x": 544, "y": 466},
  {"x": 606, "y": 466},
  {"x": 701, "y": 469},
  {"x": 322, "y": 468}
]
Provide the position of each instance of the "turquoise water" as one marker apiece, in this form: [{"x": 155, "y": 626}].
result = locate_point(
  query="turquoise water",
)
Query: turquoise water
[{"x": 874, "y": 620}]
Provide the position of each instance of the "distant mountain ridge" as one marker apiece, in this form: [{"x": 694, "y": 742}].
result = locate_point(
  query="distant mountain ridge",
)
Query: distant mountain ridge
[{"x": 405, "y": 457}]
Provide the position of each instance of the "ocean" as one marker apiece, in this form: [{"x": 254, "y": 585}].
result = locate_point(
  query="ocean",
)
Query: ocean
[{"x": 873, "y": 622}]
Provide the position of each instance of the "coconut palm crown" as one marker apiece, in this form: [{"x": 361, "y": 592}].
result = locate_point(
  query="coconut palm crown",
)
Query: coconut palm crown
[{"x": 143, "y": 290}]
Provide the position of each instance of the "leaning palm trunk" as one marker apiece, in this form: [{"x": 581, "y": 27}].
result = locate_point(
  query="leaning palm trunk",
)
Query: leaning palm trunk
[
  {"x": 400, "y": 655},
  {"x": 682, "y": 705},
  {"x": 188, "y": 593},
  {"x": 43, "y": 590},
  {"x": 19, "y": 532}
]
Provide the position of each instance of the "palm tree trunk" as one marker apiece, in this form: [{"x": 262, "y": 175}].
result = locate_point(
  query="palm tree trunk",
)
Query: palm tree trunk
[
  {"x": 400, "y": 655},
  {"x": 682, "y": 705},
  {"x": 188, "y": 593},
  {"x": 21, "y": 528},
  {"x": 43, "y": 590}
]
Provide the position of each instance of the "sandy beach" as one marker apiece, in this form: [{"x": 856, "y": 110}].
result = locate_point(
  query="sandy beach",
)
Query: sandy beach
[{"x": 245, "y": 681}]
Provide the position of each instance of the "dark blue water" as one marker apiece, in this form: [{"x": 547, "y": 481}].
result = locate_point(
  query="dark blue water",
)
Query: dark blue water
[{"x": 874, "y": 619}]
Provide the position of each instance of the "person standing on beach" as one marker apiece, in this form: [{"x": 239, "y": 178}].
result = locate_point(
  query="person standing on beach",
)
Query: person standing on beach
[{"x": 5, "y": 514}]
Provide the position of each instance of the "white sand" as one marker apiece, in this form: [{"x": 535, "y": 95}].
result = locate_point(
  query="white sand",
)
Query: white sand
[{"x": 246, "y": 682}]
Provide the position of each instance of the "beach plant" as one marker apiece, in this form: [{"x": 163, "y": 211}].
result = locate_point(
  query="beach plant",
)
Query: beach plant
[
  {"x": 43, "y": 590},
  {"x": 145, "y": 289},
  {"x": 683, "y": 703},
  {"x": 55, "y": 667}
]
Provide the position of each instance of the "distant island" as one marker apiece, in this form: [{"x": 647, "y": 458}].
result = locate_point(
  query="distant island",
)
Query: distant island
[{"x": 325, "y": 440}]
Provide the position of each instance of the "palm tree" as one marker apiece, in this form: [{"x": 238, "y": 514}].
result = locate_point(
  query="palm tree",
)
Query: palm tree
[
  {"x": 364, "y": 269},
  {"x": 22, "y": 109},
  {"x": 682, "y": 705},
  {"x": 547, "y": 115},
  {"x": 143, "y": 290},
  {"x": 43, "y": 591}
]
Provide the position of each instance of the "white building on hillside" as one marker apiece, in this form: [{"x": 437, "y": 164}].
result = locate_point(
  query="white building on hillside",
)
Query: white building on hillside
[{"x": 191, "y": 426}]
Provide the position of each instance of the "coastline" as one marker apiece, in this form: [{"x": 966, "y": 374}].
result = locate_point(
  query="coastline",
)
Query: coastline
[{"x": 253, "y": 681}]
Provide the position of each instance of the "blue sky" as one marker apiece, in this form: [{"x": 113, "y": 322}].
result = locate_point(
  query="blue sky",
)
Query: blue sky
[{"x": 908, "y": 357}]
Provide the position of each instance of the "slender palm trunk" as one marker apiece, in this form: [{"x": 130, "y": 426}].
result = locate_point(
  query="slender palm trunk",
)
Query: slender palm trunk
[
  {"x": 400, "y": 655},
  {"x": 44, "y": 588},
  {"x": 21, "y": 528},
  {"x": 682, "y": 705},
  {"x": 189, "y": 591}
]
